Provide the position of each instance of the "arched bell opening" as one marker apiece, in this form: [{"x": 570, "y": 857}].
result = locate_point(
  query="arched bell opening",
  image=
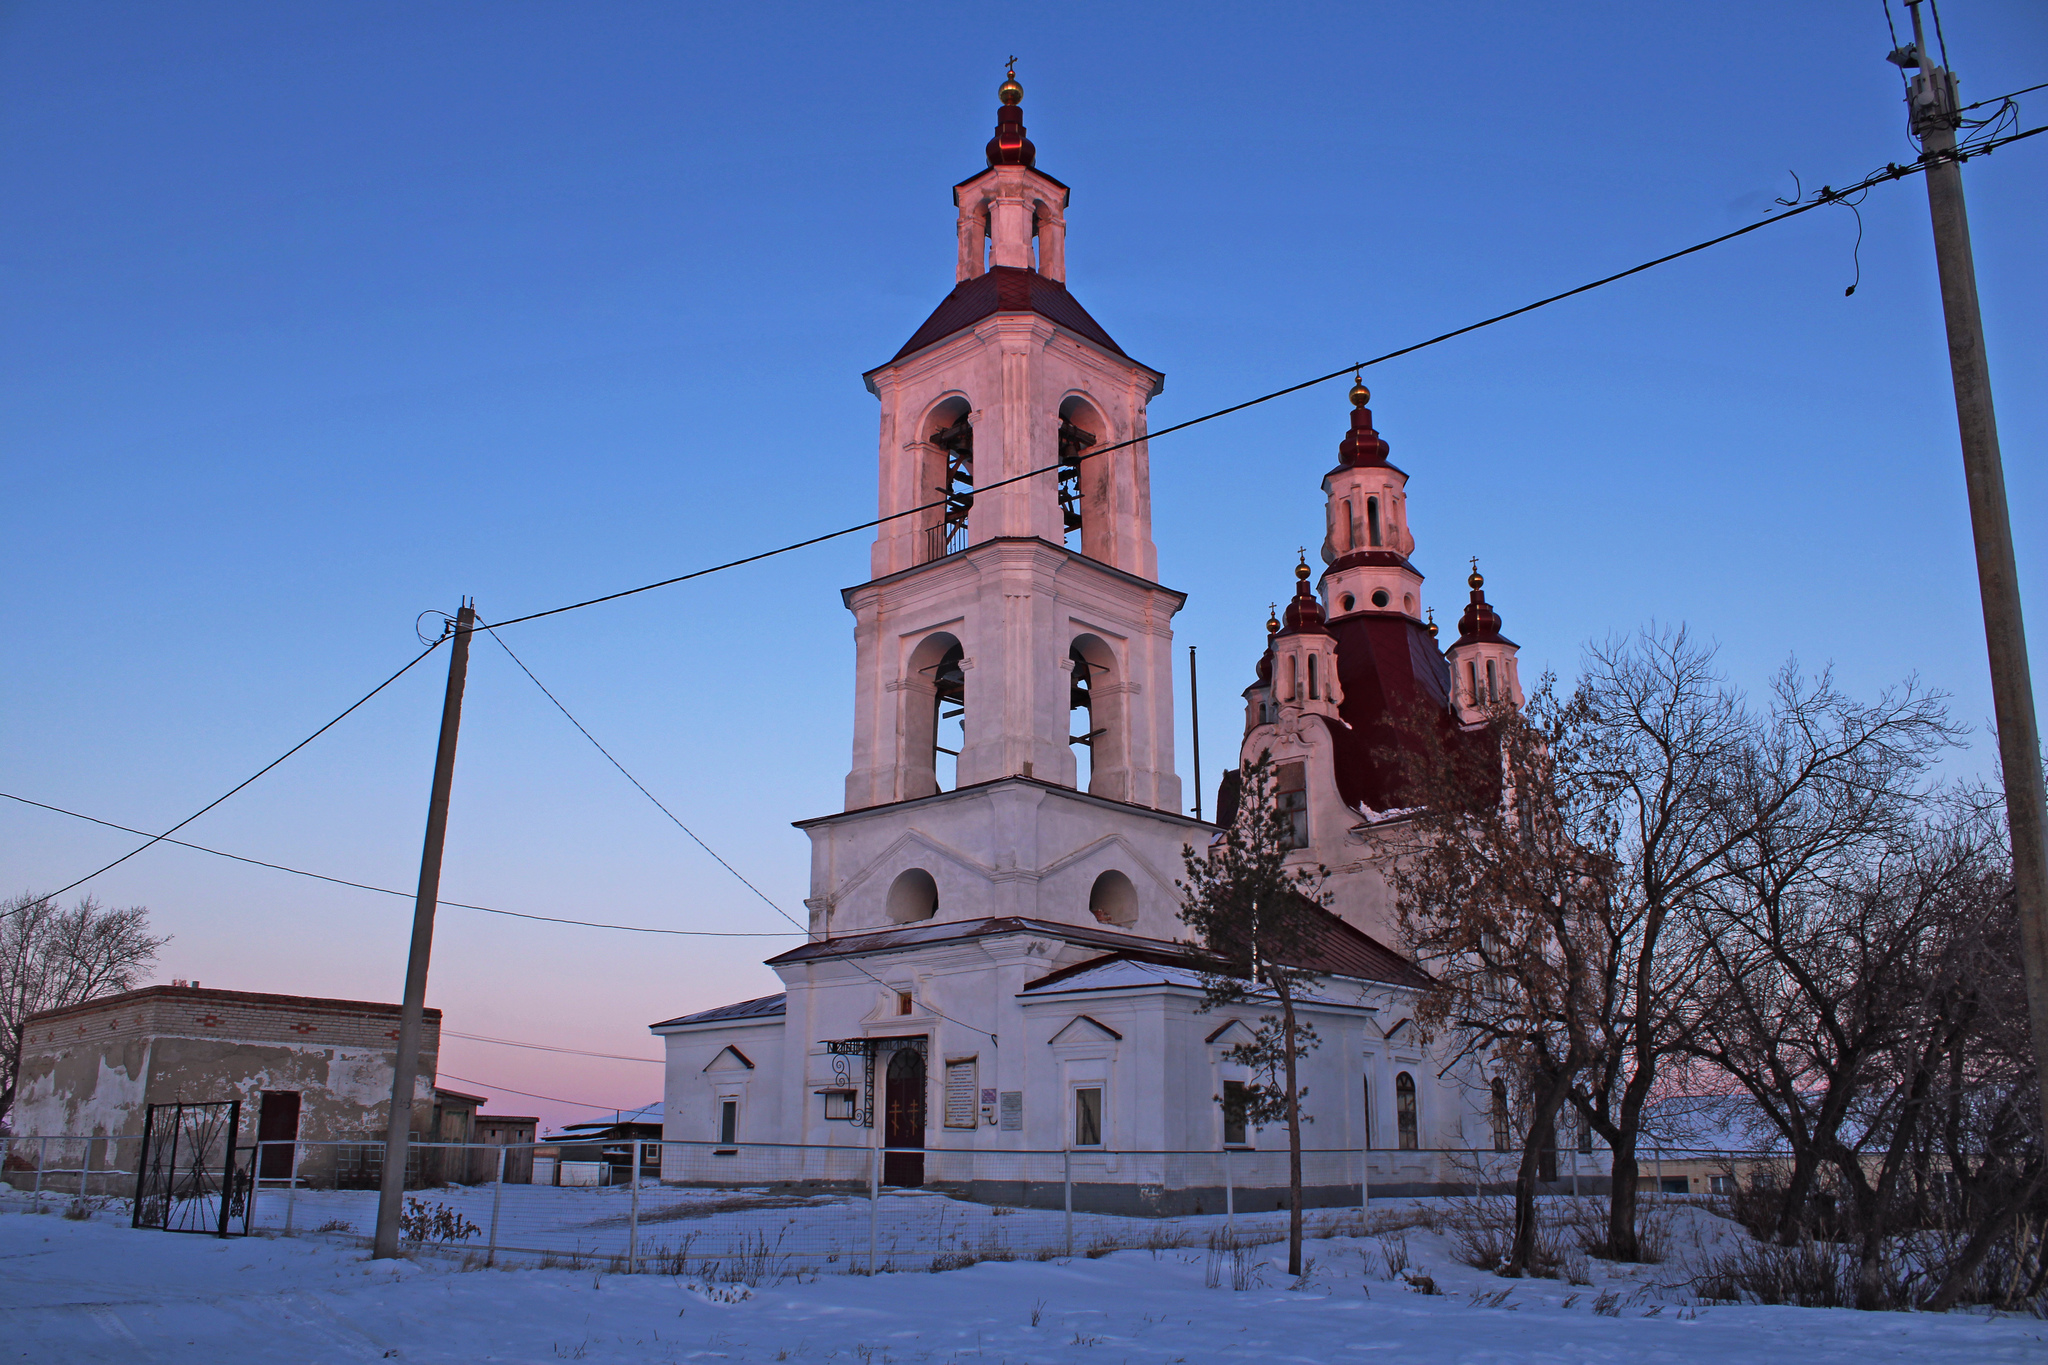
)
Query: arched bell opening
[
  {"x": 933, "y": 717},
  {"x": 913, "y": 896},
  {"x": 1114, "y": 900},
  {"x": 947, "y": 478},
  {"x": 1096, "y": 735},
  {"x": 1083, "y": 519}
]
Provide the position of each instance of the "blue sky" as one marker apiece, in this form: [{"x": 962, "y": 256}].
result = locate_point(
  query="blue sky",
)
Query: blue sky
[{"x": 320, "y": 317}]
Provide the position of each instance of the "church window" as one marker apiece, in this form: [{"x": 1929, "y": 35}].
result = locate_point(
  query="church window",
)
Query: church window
[
  {"x": 1502, "y": 1138},
  {"x": 1348, "y": 514},
  {"x": 1380, "y": 598},
  {"x": 1472, "y": 677},
  {"x": 1097, "y": 743},
  {"x": 1234, "y": 1127},
  {"x": 1492, "y": 696},
  {"x": 1365, "y": 1088},
  {"x": 1075, "y": 442},
  {"x": 905, "y": 1002},
  {"x": 913, "y": 896},
  {"x": 1372, "y": 519},
  {"x": 955, "y": 440},
  {"x": 1292, "y": 796},
  {"x": 1313, "y": 694},
  {"x": 949, "y": 701},
  {"x": 1113, "y": 899},
  {"x": 1348, "y": 601},
  {"x": 1088, "y": 1116},
  {"x": 1293, "y": 678},
  {"x": 728, "y": 1121},
  {"x": 1404, "y": 1112}
]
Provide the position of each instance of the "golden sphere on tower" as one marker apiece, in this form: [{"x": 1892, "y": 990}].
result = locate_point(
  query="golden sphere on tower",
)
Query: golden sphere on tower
[
  {"x": 1301, "y": 571},
  {"x": 1272, "y": 619},
  {"x": 1476, "y": 581},
  {"x": 1009, "y": 92},
  {"x": 1360, "y": 394}
]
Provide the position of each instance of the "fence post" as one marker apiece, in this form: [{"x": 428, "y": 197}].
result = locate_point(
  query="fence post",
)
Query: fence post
[
  {"x": 42, "y": 1158},
  {"x": 1364, "y": 1178},
  {"x": 255, "y": 1180},
  {"x": 291, "y": 1187},
  {"x": 1067, "y": 1179},
  {"x": 497, "y": 1198},
  {"x": 633, "y": 1216},
  {"x": 1229, "y": 1198},
  {"x": 874, "y": 1201}
]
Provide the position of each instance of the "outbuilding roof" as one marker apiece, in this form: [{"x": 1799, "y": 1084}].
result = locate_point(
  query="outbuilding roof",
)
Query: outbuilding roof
[{"x": 761, "y": 1007}]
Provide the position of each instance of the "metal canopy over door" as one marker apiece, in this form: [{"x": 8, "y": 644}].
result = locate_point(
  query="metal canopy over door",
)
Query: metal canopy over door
[
  {"x": 277, "y": 1121},
  {"x": 903, "y": 1100}
]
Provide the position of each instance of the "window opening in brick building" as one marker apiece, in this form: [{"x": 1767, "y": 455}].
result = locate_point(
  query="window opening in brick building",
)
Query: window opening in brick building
[
  {"x": 1404, "y": 1112},
  {"x": 1234, "y": 1127},
  {"x": 1291, "y": 791}
]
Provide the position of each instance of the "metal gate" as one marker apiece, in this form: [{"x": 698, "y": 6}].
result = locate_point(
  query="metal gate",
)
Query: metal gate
[{"x": 191, "y": 1178}]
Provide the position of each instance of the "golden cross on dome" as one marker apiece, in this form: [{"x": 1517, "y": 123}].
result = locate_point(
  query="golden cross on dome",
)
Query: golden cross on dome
[{"x": 1013, "y": 65}]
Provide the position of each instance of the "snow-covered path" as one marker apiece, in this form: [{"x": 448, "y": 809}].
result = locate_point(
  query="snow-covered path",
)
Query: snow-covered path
[{"x": 98, "y": 1291}]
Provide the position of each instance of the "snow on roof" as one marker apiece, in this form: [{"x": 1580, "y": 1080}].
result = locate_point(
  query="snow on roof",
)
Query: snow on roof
[
  {"x": 646, "y": 1113},
  {"x": 1125, "y": 973}
]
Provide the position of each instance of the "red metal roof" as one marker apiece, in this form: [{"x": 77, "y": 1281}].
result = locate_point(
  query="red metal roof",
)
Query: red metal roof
[{"x": 1006, "y": 289}]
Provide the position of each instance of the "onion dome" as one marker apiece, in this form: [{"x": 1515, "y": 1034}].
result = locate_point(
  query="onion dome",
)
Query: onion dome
[
  {"x": 1480, "y": 621},
  {"x": 1009, "y": 147},
  {"x": 1304, "y": 614},
  {"x": 1361, "y": 445}
]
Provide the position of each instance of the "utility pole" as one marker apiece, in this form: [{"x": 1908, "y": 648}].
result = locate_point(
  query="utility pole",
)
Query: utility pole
[
  {"x": 1931, "y": 99},
  {"x": 405, "y": 1066},
  {"x": 1195, "y": 727}
]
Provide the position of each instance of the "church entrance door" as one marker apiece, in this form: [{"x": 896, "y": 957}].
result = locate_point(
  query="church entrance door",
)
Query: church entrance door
[{"x": 903, "y": 1117}]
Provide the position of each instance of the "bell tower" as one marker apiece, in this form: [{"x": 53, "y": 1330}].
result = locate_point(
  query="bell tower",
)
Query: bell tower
[{"x": 1013, "y": 594}]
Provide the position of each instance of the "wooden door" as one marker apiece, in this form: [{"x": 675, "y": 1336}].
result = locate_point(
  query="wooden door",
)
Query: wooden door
[
  {"x": 277, "y": 1121},
  {"x": 903, "y": 1098}
]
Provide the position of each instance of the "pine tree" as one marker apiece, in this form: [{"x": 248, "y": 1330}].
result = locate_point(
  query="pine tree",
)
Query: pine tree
[{"x": 1255, "y": 916}]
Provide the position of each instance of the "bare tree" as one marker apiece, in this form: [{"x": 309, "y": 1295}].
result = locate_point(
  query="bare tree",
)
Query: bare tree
[
  {"x": 51, "y": 958},
  {"x": 1698, "y": 792},
  {"x": 1500, "y": 873},
  {"x": 1255, "y": 918}
]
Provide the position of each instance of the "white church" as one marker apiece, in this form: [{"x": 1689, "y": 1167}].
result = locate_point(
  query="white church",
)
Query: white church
[{"x": 995, "y": 962}]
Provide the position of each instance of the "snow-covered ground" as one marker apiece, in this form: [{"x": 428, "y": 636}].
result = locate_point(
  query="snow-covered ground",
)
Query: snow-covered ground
[{"x": 79, "y": 1291}]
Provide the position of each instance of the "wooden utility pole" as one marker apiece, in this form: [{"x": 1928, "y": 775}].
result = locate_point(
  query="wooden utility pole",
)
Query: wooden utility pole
[
  {"x": 1935, "y": 114},
  {"x": 405, "y": 1066}
]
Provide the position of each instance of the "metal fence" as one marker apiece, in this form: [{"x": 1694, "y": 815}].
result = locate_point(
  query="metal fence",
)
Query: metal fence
[{"x": 743, "y": 1211}]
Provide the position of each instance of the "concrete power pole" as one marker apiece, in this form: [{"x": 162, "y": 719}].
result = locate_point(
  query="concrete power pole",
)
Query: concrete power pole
[
  {"x": 405, "y": 1067},
  {"x": 1934, "y": 108}
]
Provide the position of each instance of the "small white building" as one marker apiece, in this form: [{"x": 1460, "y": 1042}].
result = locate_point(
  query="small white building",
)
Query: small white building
[{"x": 995, "y": 965}]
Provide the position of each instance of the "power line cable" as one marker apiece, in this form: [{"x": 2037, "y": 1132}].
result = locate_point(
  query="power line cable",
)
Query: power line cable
[
  {"x": 636, "y": 781},
  {"x": 157, "y": 839},
  {"x": 544, "y": 1047},
  {"x": 1821, "y": 198},
  {"x": 929, "y": 1009},
  {"x": 408, "y": 895},
  {"x": 552, "y": 1099}
]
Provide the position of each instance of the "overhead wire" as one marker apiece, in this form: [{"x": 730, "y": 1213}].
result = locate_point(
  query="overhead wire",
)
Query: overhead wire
[
  {"x": 552, "y": 1099},
  {"x": 765, "y": 898},
  {"x": 408, "y": 895},
  {"x": 1823, "y": 197},
  {"x": 159, "y": 838},
  {"x": 545, "y": 1047}
]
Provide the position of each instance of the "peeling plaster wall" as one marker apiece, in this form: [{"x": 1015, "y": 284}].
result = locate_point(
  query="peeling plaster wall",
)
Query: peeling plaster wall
[{"x": 90, "y": 1071}]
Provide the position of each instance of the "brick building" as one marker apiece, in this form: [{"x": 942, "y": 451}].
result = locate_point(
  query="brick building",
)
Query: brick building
[{"x": 306, "y": 1068}]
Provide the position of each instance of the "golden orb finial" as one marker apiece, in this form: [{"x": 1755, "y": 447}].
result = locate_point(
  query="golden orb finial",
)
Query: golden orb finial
[
  {"x": 1431, "y": 623},
  {"x": 1009, "y": 92},
  {"x": 1477, "y": 580},
  {"x": 1301, "y": 569},
  {"x": 1360, "y": 394},
  {"x": 1272, "y": 618}
]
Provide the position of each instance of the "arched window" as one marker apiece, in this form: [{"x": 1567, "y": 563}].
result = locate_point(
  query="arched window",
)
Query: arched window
[
  {"x": 1501, "y": 1136},
  {"x": 1472, "y": 677},
  {"x": 1114, "y": 900},
  {"x": 1098, "y": 744},
  {"x": 1372, "y": 519},
  {"x": 913, "y": 896},
  {"x": 1347, "y": 517},
  {"x": 1313, "y": 694},
  {"x": 933, "y": 719},
  {"x": 1404, "y": 1112},
  {"x": 1492, "y": 693},
  {"x": 951, "y": 434},
  {"x": 1080, "y": 430},
  {"x": 1293, "y": 678}
]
